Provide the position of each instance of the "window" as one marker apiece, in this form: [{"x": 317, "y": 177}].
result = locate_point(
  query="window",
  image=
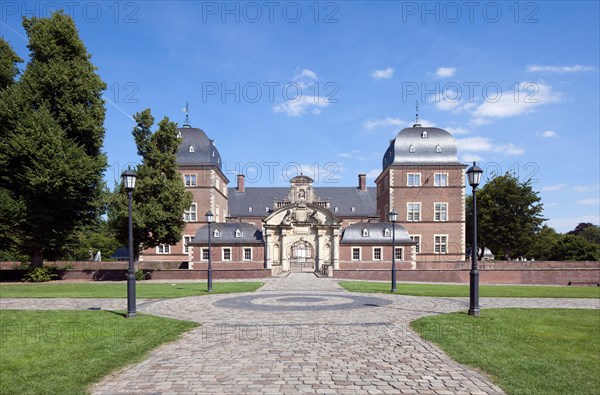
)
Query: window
[
  {"x": 418, "y": 245},
  {"x": 247, "y": 253},
  {"x": 186, "y": 240},
  {"x": 424, "y": 134},
  {"x": 440, "y": 180},
  {"x": 376, "y": 253},
  {"x": 178, "y": 135},
  {"x": 386, "y": 232},
  {"x": 190, "y": 180},
  {"x": 238, "y": 233},
  {"x": 365, "y": 232},
  {"x": 438, "y": 149},
  {"x": 189, "y": 215},
  {"x": 163, "y": 249},
  {"x": 398, "y": 253},
  {"x": 440, "y": 243},
  {"x": 226, "y": 254},
  {"x": 335, "y": 209},
  {"x": 414, "y": 212},
  {"x": 249, "y": 209},
  {"x": 216, "y": 233},
  {"x": 266, "y": 209},
  {"x": 204, "y": 254},
  {"x": 441, "y": 212},
  {"x": 356, "y": 253},
  {"x": 191, "y": 149},
  {"x": 413, "y": 179},
  {"x": 353, "y": 209},
  {"x": 411, "y": 149}
]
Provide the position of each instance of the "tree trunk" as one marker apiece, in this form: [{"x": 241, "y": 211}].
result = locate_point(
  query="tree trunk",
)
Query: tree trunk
[{"x": 38, "y": 257}]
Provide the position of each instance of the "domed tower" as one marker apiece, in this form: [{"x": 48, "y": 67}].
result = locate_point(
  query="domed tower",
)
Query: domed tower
[{"x": 423, "y": 181}]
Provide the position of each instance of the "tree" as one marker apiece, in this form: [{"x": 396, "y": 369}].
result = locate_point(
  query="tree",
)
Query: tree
[
  {"x": 509, "y": 215},
  {"x": 575, "y": 248},
  {"x": 544, "y": 244},
  {"x": 9, "y": 61},
  {"x": 588, "y": 231},
  {"x": 51, "y": 135},
  {"x": 159, "y": 197}
]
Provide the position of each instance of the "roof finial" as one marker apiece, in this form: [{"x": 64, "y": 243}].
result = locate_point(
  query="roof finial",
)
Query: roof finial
[
  {"x": 417, "y": 124},
  {"x": 186, "y": 110}
]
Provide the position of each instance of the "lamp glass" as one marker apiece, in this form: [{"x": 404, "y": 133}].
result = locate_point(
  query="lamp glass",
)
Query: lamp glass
[
  {"x": 129, "y": 176},
  {"x": 209, "y": 217},
  {"x": 393, "y": 216},
  {"x": 474, "y": 173}
]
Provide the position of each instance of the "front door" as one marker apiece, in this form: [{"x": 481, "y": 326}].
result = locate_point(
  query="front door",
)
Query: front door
[{"x": 302, "y": 258}]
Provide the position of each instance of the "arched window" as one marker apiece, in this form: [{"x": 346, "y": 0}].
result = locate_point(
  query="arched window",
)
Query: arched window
[
  {"x": 249, "y": 209},
  {"x": 386, "y": 232},
  {"x": 238, "y": 233},
  {"x": 335, "y": 209},
  {"x": 178, "y": 135},
  {"x": 302, "y": 194},
  {"x": 191, "y": 148},
  {"x": 424, "y": 134},
  {"x": 353, "y": 209},
  {"x": 365, "y": 232},
  {"x": 411, "y": 149},
  {"x": 216, "y": 233},
  {"x": 438, "y": 149}
]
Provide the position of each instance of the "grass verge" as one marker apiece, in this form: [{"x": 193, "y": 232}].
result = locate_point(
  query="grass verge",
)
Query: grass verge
[
  {"x": 144, "y": 290},
  {"x": 64, "y": 352},
  {"x": 499, "y": 291},
  {"x": 524, "y": 351}
]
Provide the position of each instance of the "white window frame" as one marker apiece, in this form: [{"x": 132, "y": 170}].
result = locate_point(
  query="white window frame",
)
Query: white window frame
[
  {"x": 204, "y": 250},
  {"x": 186, "y": 248},
  {"x": 190, "y": 180},
  {"x": 437, "y": 246},
  {"x": 163, "y": 249},
  {"x": 418, "y": 245},
  {"x": 191, "y": 214},
  {"x": 437, "y": 214},
  {"x": 380, "y": 253},
  {"x": 399, "y": 253},
  {"x": 386, "y": 232},
  {"x": 359, "y": 253},
  {"x": 223, "y": 254},
  {"x": 244, "y": 250},
  {"x": 408, "y": 177},
  {"x": 238, "y": 233},
  {"x": 437, "y": 180},
  {"x": 409, "y": 212},
  {"x": 365, "y": 232}
]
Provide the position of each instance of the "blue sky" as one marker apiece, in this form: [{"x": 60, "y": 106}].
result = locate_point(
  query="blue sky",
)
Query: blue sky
[{"x": 323, "y": 87}]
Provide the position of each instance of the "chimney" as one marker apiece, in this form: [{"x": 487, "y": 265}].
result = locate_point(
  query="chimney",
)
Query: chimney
[
  {"x": 362, "y": 182},
  {"x": 240, "y": 183}
]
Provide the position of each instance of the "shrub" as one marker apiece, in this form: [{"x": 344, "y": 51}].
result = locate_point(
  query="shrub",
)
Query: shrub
[
  {"x": 140, "y": 275},
  {"x": 38, "y": 275}
]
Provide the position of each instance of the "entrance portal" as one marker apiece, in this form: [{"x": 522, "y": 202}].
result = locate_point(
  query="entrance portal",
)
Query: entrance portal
[{"x": 302, "y": 257}]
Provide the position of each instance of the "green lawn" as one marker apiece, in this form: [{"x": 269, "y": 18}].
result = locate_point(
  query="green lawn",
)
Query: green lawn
[
  {"x": 525, "y": 351},
  {"x": 144, "y": 290},
  {"x": 449, "y": 290},
  {"x": 64, "y": 352}
]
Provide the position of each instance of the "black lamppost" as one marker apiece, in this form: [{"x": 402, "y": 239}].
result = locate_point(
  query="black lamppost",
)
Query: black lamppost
[
  {"x": 129, "y": 177},
  {"x": 393, "y": 218},
  {"x": 474, "y": 174},
  {"x": 209, "y": 218}
]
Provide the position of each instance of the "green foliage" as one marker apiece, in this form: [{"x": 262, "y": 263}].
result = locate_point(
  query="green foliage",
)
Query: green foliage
[
  {"x": 159, "y": 198},
  {"x": 65, "y": 352},
  {"x": 544, "y": 244},
  {"x": 509, "y": 215},
  {"x": 552, "y": 246},
  {"x": 140, "y": 275},
  {"x": 93, "y": 238},
  {"x": 525, "y": 351},
  {"x": 38, "y": 275},
  {"x": 9, "y": 61},
  {"x": 591, "y": 234},
  {"x": 51, "y": 134}
]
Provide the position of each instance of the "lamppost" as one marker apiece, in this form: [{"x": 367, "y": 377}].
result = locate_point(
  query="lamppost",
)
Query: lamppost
[
  {"x": 393, "y": 218},
  {"x": 474, "y": 174},
  {"x": 209, "y": 218},
  {"x": 129, "y": 177}
]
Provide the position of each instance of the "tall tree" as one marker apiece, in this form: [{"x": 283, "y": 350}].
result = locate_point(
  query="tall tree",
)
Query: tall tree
[
  {"x": 9, "y": 61},
  {"x": 159, "y": 197},
  {"x": 52, "y": 131},
  {"x": 509, "y": 214}
]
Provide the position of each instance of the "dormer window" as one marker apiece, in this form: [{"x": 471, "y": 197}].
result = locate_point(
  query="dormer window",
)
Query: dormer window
[
  {"x": 438, "y": 149},
  {"x": 386, "y": 232},
  {"x": 216, "y": 233},
  {"x": 249, "y": 209},
  {"x": 266, "y": 209},
  {"x": 411, "y": 149},
  {"x": 365, "y": 232},
  {"x": 335, "y": 209},
  {"x": 353, "y": 209},
  {"x": 238, "y": 233},
  {"x": 424, "y": 134},
  {"x": 213, "y": 154},
  {"x": 191, "y": 149},
  {"x": 178, "y": 135}
]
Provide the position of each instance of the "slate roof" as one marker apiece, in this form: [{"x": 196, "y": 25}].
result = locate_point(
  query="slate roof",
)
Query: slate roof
[
  {"x": 250, "y": 234},
  {"x": 344, "y": 198},
  {"x": 425, "y": 150},
  {"x": 353, "y": 234},
  {"x": 205, "y": 151}
]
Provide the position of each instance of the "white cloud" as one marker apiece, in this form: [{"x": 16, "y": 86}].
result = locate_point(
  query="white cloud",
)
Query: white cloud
[
  {"x": 557, "y": 187},
  {"x": 523, "y": 100},
  {"x": 589, "y": 202},
  {"x": 443, "y": 72},
  {"x": 586, "y": 188},
  {"x": 306, "y": 73},
  {"x": 483, "y": 144},
  {"x": 301, "y": 105},
  {"x": 560, "y": 69},
  {"x": 457, "y": 130},
  {"x": 385, "y": 74},
  {"x": 569, "y": 223},
  {"x": 374, "y": 173},
  {"x": 471, "y": 158},
  {"x": 548, "y": 134}
]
